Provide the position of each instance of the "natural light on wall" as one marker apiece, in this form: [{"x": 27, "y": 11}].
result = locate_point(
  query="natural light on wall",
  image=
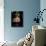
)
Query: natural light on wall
[{"x": 1, "y": 20}]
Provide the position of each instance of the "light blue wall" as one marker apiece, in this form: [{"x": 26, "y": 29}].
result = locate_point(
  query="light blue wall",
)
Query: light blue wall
[
  {"x": 29, "y": 7},
  {"x": 43, "y": 6}
]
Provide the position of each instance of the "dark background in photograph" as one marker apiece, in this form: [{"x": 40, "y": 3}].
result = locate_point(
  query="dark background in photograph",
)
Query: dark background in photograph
[{"x": 17, "y": 19}]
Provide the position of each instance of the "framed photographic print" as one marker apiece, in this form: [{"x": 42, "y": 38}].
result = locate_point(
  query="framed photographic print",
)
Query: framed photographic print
[{"x": 17, "y": 19}]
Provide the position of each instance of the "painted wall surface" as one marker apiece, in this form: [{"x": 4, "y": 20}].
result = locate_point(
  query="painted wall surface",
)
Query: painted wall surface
[
  {"x": 29, "y": 7},
  {"x": 43, "y": 6},
  {"x": 1, "y": 20},
  {"x": 1, "y": 24}
]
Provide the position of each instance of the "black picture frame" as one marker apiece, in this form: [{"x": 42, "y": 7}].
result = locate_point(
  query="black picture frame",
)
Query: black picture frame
[{"x": 17, "y": 18}]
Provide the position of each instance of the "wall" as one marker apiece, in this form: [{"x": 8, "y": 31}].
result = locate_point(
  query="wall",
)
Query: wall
[
  {"x": 1, "y": 20},
  {"x": 43, "y": 6},
  {"x": 29, "y": 7}
]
